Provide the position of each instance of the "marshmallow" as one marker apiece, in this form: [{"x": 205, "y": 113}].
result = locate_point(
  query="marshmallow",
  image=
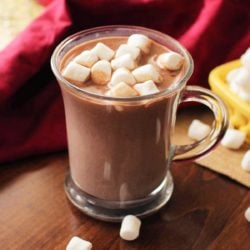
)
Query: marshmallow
[
  {"x": 127, "y": 49},
  {"x": 170, "y": 60},
  {"x": 140, "y": 41},
  {"x": 130, "y": 227},
  {"x": 122, "y": 90},
  {"x": 247, "y": 214},
  {"x": 198, "y": 130},
  {"x": 122, "y": 75},
  {"x": 243, "y": 79},
  {"x": 245, "y": 59},
  {"x": 147, "y": 72},
  {"x": 101, "y": 72},
  {"x": 87, "y": 58},
  {"x": 146, "y": 88},
  {"x": 244, "y": 95},
  {"x": 76, "y": 72},
  {"x": 233, "y": 139},
  {"x": 245, "y": 162},
  {"x": 125, "y": 61},
  {"x": 232, "y": 74},
  {"x": 103, "y": 52},
  {"x": 77, "y": 243}
]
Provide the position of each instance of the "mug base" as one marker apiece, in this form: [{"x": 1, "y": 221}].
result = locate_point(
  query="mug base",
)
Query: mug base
[{"x": 114, "y": 211}]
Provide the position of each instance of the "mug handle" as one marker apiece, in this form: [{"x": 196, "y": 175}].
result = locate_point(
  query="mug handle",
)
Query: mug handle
[{"x": 219, "y": 127}]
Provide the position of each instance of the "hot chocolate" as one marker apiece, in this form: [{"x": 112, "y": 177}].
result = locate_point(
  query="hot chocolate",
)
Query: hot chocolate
[{"x": 118, "y": 150}]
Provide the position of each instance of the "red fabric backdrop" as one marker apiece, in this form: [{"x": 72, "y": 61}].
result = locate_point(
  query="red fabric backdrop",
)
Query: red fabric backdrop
[{"x": 31, "y": 108}]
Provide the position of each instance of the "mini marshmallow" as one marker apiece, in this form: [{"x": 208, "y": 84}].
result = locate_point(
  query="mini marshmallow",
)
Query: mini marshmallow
[
  {"x": 103, "y": 52},
  {"x": 101, "y": 72},
  {"x": 127, "y": 49},
  {"x": 122, "y": 89},
  {"x": 242, "y": 79},
  {"x": 77, "y": 243},
  {"x": 130, "y": 227},
  {"x": 76, "y": 72},
  {"x": 245, "y": 59},
  {"x": 247, "y": 214},
  {"x": 147, "y": 72},
  {"x": 232, "y": 74},
  {"x": 87, "y": 58},
  {"x": 245, "y": 162},
  {"x": 146, "y": 88},
  {"x": 125, "y": 61},
  {"x": 233, "y": 139},
  {"x": 140, "y": 41},
  {"x": 170, "y": 60},
  {"x": 198, "y": 130},
  {"x": 122, "y": 75},
  {"x": 244, "y": 95}
]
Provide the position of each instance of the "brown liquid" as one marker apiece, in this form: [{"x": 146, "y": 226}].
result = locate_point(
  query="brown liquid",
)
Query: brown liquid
[{"x": 118, "y": 151}]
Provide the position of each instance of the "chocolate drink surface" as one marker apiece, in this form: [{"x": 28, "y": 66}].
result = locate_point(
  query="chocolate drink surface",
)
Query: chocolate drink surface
[{"x": 118, "y": 151}]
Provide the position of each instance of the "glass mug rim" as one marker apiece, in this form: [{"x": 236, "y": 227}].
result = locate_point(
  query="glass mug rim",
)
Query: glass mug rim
[{"x": 119, "y": 28}]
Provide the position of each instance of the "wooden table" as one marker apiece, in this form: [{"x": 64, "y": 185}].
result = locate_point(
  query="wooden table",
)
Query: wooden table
[{"x": 206, "y": 211}]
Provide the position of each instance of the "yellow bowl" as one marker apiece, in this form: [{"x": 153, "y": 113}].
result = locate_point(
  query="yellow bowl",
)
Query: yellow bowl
[{"x": 239, "y": 110}]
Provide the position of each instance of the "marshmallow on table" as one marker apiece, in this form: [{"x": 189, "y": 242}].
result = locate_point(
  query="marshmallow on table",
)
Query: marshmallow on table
[
  {"x": 101, "y": 72},
  {"x": 170, "y": 60},
  {"x": 103, "y": 52},
  {"x": 198, "y": 130},
  {"x": 77, "y": 243},
  {"x": 124, "y": 61},
  {"x": 125, "y": 49},
  {"x": 130, "y": 227},
  {"x": 122, "y": 89},
  {"x": 233, "y": 139},
  {"x": 245, "y": 163},
  {"x": 122, "y": 75},
  {"x": 245, "y": 59},
  {"x": 147, "y": 72},
  {"x": 146, "y": 88},
  {"x": 247, "y": 214},
  {"x": 140, "y": 41},
  {"x": 76, "y": 72},
  {"x": 242, "y": 79},
  {"x": 87, "y": 58}
]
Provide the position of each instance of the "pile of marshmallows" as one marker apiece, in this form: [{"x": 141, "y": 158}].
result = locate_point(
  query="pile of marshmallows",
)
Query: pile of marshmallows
[
  {"x": 239, "y": 79},
  {"x": 119, "y": 69},
  {"x": 130, "y": 229}
]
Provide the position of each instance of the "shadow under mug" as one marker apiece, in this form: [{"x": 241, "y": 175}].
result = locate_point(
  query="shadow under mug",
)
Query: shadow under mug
[{"x": 120, "y": 149}]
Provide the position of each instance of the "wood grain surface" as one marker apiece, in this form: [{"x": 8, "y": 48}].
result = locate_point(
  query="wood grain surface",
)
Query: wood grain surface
[{"x": 205, "y": 211}]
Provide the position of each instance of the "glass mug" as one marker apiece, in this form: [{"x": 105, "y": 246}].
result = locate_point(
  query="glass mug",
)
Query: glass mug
[{"x": 120, "y": 149}]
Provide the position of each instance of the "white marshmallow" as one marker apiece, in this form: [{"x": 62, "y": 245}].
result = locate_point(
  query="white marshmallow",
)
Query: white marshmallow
[
  {"x": 146, "y": 88},
  {"x": 77, "y": 243},
  {"x": 243, "y": 79},
  {"x": 245, "y": 162},
  {"x": 101, "y": 72},
  {"x": 125, "y": 61},
  {"x": 127, "y": 49},
  {"x": 122, "y": 75},
  {"x": 103, "y": 52},
  {"x": 87, "y": 58},
  {"x": 140, "y": 41},
  {"x": 76, "y": 72},
  {"x": 130, "y": 227},
  {"x": 170, "y": 60},
  {"x": 147, "y": 72},
  {"x": 232, "y": 74},
  {"x": 234, "y": 87},
  {"x": 233, "y": 139},
  {"x": 198, "y": 130},
  {"x": 122, "y": 90},
  {"x": 244, "y": 95},
  {"x": 245, "y": 59},
  {"x": 247, "y": 214}
]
